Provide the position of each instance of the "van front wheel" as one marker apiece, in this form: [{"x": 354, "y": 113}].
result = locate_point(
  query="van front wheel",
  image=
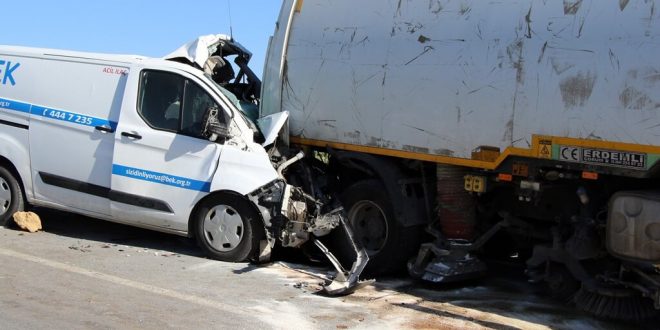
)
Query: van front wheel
[
  {"x": 11, "y": 196},
  {"x": 227, "y": 228}
]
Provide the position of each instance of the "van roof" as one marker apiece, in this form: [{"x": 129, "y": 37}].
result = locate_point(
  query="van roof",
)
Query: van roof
[
  {"x": 98, "y": 58},
  {"x": 46, "y": 52},
  {"x": 118, "y": 59}
]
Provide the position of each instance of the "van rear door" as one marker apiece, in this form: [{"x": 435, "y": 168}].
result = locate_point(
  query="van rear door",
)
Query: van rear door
[{"x": 162, "y": 166}]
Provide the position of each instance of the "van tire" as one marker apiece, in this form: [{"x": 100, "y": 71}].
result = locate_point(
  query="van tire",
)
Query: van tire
[
  {"x": 388, "y": 243},
  {"x": 227, "y": 228},
  {"x": 11, "y": 196}
]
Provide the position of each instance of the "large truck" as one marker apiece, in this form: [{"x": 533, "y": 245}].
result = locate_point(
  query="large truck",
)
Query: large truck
[{"x": 526, "y": 130}]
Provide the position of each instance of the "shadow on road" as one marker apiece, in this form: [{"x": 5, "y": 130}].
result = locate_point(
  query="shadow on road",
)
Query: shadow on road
[{"x": 81, "y": 227}]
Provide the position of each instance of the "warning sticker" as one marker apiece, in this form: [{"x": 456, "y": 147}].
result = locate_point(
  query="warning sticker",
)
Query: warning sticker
[
  {"x": 545, "y": 149},
  {"x": 603, "y": 157}
]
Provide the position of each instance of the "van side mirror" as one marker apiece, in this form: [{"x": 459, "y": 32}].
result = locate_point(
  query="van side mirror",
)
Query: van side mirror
[{"x": 212, "y": 128}]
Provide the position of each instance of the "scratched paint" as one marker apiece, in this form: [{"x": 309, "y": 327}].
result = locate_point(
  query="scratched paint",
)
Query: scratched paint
[
  {"x": 640, "y": 91},
  {"x": 571, "y": 7},
  {"x": 445, "y": 76},
  {"x": 631, "y": 98},
  {"x": 576, "y": 90}
]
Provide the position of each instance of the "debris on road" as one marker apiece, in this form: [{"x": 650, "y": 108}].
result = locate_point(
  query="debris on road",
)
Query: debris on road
[
  {"x": 28, "y": 221},
  {"x": 81, "y": 249}
]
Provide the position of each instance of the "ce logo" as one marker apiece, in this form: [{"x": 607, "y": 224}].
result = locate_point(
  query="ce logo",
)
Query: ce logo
[{"x": 570, "y": 153}]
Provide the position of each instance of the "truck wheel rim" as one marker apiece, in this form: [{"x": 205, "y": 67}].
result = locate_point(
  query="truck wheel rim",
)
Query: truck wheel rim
[
  {"x": 369, "y": 225},
  {"x": 223, "y": 228},
  {"x": 5, "y": 196}
]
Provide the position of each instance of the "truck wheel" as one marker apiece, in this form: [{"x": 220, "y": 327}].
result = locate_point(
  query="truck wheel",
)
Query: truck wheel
[
  {"x": 11, "y": 196},
  {"x": 388, "y": 243},
  {"x": 227, "y": 228},
  {"x": 560, "y": 284}
]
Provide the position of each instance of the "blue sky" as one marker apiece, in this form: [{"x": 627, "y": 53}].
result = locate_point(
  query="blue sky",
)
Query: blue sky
[{"x": 142, "y": 27}]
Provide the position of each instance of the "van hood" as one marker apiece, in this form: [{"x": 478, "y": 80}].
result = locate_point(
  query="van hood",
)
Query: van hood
[{"x": 272, "y": 125}]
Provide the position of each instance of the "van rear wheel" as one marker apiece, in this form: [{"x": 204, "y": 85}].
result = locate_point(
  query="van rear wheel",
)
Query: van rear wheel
[
  {"x": 227, "y": 228},
  {"x": 11, "y": 196}
]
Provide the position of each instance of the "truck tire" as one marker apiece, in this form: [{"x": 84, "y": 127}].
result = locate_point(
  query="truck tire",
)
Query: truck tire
[
  {"x": 11, "y": 196},
  {"x": 388, "y": 243},
  {"x": 227, "y": 228}
]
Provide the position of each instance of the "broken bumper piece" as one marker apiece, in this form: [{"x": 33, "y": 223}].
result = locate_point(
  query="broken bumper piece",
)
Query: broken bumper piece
[
  {"x": 442, "y": 266},
  {"x": 344, "y": 282}
]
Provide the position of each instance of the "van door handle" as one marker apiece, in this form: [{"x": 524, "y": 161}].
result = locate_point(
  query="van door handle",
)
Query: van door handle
[
  {"x": 104, "y": 129},
  {"x": 131, "y": 135}
]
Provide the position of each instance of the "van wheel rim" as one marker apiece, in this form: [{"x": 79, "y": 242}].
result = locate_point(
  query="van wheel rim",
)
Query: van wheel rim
[
  {"x": 369, "y": 225},
  {"x": 223, "y": 228},
  {"x": 5, "y": 196}
]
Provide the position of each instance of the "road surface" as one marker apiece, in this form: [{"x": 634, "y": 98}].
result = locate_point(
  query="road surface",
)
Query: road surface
[{"x": 85, "y": 273}]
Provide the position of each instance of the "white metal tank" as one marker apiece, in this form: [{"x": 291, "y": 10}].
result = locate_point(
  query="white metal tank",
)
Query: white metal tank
[{"x": 443, "y": 77}]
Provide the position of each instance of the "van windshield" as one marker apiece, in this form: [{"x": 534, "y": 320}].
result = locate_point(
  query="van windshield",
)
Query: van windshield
[{"x": 249, "y": 111}]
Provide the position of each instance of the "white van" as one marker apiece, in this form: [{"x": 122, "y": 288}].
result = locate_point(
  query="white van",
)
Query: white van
[{"x": 151, "y": 143}]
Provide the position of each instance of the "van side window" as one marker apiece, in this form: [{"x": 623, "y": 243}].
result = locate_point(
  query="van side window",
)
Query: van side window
[
  {"x": 195, "y": 103},
  {"x": 173, "y": 103},
  {"x": 161, "y": 95}
]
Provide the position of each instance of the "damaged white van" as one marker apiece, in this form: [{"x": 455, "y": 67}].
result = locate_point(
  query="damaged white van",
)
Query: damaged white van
[{"x": 163, "y": 144}]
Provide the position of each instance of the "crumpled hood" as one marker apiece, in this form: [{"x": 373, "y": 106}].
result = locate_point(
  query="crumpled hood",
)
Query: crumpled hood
[
  {"x": 271, "y": 126},
  {"x": 200, "y": 49}
]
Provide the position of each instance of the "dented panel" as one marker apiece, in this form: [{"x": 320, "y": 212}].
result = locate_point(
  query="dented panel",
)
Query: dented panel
[{"x": 443, "y": 77}]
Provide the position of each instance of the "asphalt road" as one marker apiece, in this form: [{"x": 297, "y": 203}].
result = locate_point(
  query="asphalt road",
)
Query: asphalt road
[{"x": 84, "y": 273}]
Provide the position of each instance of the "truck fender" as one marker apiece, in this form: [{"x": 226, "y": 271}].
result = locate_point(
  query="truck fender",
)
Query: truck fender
[{"x": 409, "y": 209}]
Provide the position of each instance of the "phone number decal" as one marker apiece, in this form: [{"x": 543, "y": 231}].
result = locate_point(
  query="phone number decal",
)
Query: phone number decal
[
  {"x": 56, "y": 114},
  {"x": 70, "y": 117}
]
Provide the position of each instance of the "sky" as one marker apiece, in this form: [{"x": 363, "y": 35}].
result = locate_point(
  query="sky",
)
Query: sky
[{"x": 151, "y": 28}]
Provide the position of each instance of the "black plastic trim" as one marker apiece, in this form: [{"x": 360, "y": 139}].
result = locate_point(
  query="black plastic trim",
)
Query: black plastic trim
[
  {"x": 141, "y": 201},
  {"x": 100, "y": 191},
  {"x": 13, "y": 124}
]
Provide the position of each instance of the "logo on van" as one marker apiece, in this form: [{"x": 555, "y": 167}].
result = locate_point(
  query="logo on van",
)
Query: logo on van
[{"x": 7, "y": 71}]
